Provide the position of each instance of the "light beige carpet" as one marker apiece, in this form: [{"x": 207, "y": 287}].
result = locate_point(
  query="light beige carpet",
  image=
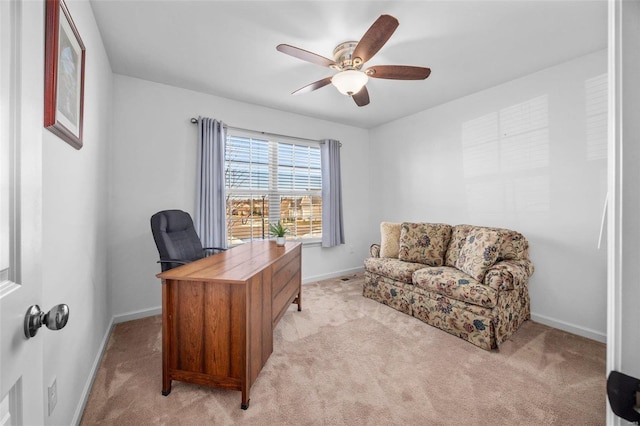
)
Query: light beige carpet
[{"x": 347, "y": 360}]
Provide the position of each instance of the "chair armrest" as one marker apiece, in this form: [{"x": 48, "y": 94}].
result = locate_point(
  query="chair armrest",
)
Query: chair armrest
[
  {"x": 374, "y": 250},
  {"x": 509, "y": 274},
  {"x": 181, "y": 262},
  {"x": 214, "y": 249}
]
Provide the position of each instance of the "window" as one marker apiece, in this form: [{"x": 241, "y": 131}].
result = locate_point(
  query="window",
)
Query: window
[{"x": 267, "y": 181}]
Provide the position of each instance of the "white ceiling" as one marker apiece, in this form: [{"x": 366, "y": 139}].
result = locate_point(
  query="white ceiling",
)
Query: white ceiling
[{"x": 228, "y": 48}]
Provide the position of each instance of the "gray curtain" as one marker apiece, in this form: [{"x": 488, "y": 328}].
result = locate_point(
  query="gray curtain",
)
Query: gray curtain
[
  {"x": 210, "y": 218},
  {"x": 332, "y": 227}
]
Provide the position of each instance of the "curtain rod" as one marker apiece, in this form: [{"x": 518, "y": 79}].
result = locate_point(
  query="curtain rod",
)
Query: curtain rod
[{"x": 195, "y": 121}]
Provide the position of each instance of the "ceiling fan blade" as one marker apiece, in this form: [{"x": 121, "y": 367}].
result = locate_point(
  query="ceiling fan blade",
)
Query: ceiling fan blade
[
  {"x": 375, "y": 37},
  {"x": 398, "y": 72},
  {"x": 305, "y": 55},
  {"x": 313, "y": 86},
  {"x": 362, "y": 97}
]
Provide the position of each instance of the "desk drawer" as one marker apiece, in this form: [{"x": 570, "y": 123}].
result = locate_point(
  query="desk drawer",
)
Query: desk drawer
[
  {"x": 284, "y": 270},
  {"x": 285, "y": 284}
]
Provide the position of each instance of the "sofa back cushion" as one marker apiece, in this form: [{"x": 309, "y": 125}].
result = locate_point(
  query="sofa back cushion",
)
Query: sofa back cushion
[
  {"x": 479, "y": 252},
  {"x": 424, "y": 243},
  {"x": 389, "y": 239},
  {"x": 458, "y": 237},
  {"x": 513, "y": 245}
]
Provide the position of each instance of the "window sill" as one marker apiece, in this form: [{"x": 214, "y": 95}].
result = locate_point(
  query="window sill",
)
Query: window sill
[
  {"x": 306, "y": 242},
  {"x": 310, "y": 243}
]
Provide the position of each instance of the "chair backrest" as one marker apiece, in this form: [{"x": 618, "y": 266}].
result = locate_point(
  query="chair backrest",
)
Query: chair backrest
[{"x": 175, "y": 237}]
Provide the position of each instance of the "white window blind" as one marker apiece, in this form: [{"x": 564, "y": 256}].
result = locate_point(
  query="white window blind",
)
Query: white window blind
[{"x": 269, "y": 181}]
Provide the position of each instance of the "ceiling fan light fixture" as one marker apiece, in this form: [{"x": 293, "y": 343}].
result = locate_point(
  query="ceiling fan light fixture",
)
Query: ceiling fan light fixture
[{"x": 349, "y": 82}]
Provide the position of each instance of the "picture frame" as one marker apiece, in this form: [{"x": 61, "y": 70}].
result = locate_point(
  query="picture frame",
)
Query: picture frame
[{"x": 64, "y": 75}]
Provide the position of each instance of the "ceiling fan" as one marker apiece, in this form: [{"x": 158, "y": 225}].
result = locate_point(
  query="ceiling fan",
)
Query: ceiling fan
[{"x": 350, "y": 56}]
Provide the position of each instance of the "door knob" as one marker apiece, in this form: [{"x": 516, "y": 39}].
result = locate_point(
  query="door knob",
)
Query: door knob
[{"x": 55, "y": 319}]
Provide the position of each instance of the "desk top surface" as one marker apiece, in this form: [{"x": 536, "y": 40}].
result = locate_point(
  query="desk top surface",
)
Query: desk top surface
[{"x": 237, "y": 264}]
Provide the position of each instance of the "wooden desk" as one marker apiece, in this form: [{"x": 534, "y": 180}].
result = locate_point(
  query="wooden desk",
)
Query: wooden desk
[{"x": 218, "y": 314}]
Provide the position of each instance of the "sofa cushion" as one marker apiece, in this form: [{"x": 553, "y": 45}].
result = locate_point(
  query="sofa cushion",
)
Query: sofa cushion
[
  {"x": 392, "y": 268},
  {"x": 424, "y": 242},
  {"x": 479, "y": 252},
  {"x": 389, "y": 239},
  {"x": 455, "y": 284},
  {"x": 513, "y": 245},
  {"x": 458, "y": 237}
]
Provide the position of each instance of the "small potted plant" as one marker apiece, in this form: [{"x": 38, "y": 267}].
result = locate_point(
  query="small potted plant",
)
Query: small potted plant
[{"x": 278, "y": 231}]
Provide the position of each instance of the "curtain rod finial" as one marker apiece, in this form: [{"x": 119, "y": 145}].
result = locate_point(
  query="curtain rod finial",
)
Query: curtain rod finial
[{"x": 194, "y": 120}]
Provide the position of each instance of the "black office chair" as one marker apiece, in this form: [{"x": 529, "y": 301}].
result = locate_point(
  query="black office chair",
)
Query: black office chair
[{"x": 176, "y": 239}]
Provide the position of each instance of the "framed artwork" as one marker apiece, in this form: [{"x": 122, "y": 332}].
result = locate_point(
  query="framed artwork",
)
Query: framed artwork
[{"x": 63, "y": 75}]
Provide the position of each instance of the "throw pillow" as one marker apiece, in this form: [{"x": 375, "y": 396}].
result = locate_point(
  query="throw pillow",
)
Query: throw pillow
[
  {"x": 389, "y": 239},
  {"x": 458, "y": 237},
  {"x": 479, "y": 252},
  {"x": 424, "y": 243}
]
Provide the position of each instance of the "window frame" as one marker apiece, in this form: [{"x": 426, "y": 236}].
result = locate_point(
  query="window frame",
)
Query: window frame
[{"x": 273, "y": 214}]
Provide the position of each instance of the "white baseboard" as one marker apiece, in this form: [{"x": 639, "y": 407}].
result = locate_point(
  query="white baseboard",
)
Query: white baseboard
[
  {"x": 307, "y": 280},
  {"x": 117, "y": 319},
  {"x": 84, "y": 397},
  {"x": 570, "y": 328}
]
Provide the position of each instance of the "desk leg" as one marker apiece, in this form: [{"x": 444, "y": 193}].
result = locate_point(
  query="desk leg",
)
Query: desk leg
[
  {"x": 299, "y": 300},
  {"x": 166, "y": 386},
  {"x": 166, "y": 381},
  {"x": 166, "y": 338},
  {"x": 245, "y": 400}
]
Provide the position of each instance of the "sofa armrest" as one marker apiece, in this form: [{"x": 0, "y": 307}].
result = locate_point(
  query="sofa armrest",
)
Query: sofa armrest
[
  {"x": 509, "y": 274},
  {"x": 374, "y": 250}
]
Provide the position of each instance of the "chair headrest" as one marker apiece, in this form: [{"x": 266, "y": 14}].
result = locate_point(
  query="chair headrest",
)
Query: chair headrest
[{"x": 172, "y": 220}]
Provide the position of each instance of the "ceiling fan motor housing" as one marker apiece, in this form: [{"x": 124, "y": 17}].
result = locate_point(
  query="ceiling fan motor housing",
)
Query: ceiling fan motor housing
[{"x": 343, "y": 55}]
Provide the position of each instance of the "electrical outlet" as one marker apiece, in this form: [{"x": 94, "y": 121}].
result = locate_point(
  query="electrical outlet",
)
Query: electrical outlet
[{"x": 53, "y": 395}]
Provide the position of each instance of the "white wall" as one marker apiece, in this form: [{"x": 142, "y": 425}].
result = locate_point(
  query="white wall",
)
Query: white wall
[
  {"x": 152, "y": 165},
  {"x": 75, "y": 232},
  {"x": 528, "y": 155}
]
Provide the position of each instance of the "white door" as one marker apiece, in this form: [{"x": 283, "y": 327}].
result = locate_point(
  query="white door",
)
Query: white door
[{"x": 22, "y": 397}]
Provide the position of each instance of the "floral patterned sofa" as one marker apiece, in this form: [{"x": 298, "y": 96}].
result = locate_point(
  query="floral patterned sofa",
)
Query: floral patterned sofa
[{"x": 470, "y": 281}]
